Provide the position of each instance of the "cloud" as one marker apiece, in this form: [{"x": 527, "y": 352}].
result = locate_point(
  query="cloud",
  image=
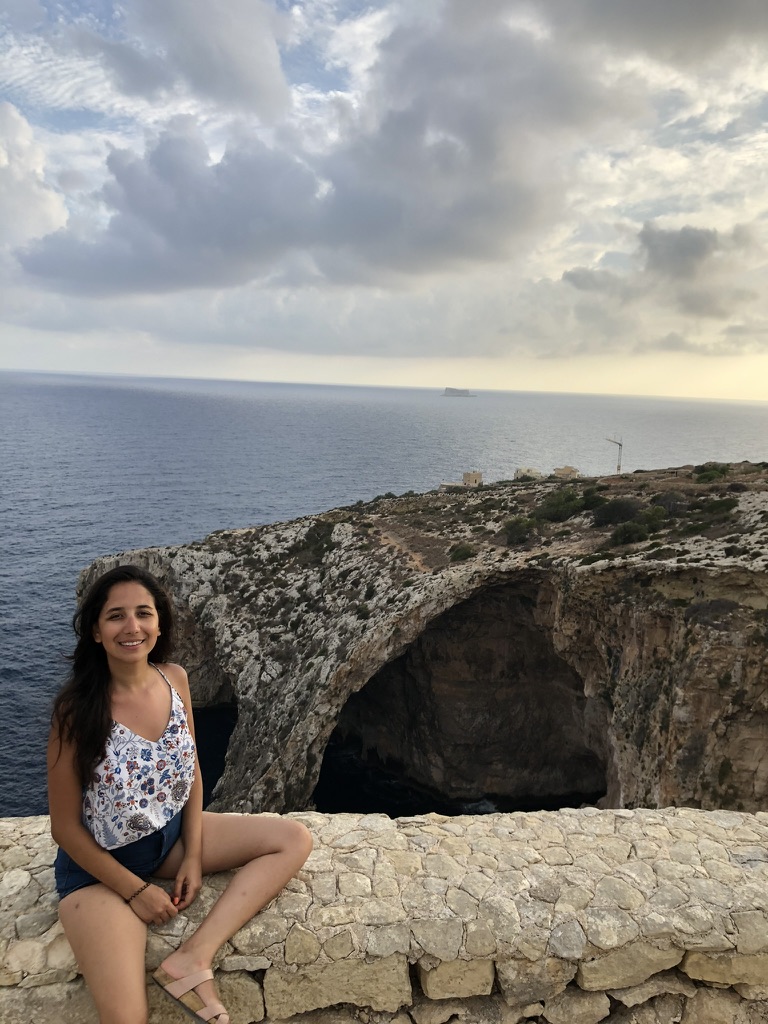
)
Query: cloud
[
  {"x": 231, "y": 57},
  {"x": 681, "y": 30},
  {"x": 178, "y": 219},
  {"x": 554, "y": 179},
  {"x": 678, "y": 253},
  {"x": 457, "y": 153},
  {"x": 29, "y": 207}
]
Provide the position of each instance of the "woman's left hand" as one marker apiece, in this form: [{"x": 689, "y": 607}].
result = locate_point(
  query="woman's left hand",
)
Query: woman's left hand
[{"x": 189, "y": 881}]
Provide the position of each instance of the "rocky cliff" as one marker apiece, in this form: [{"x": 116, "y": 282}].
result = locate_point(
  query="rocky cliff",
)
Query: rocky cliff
[{"x": 532, "y": 644}]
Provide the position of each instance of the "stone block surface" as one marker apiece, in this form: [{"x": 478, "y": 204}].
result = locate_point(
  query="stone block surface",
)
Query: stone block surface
[
  {"x": 382, "y": 985},
  {"x": 458, "y": 979}
]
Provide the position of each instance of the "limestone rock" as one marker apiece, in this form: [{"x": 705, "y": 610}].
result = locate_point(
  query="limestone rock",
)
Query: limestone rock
[
  {"x": 728, "y": 968},
  {"x": 710, "y": 1006},
  {"x": 302, "y": 946},
  {"x": 522, "y": 982},
  {"x": 442, "y": 939},
  {"x": 242, "y": 996},
  {"x": 475, "y": 1010},
  {"x": 665, "y": 983},
  {"x": 623, "y": 968},
  {"x": 382, "y": 985},
  {"x": 68, "y": 1002},
  {"x": 572, "y": 1006},
  {"x": 567, "y": 940},
  {"x": 458, "y": 979},
  {"x": 665, "y": 1009},
  {"x": 258, "y": 605}
]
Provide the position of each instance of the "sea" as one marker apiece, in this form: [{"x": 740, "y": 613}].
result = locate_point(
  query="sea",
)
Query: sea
[{"x": 93, "y": 465}]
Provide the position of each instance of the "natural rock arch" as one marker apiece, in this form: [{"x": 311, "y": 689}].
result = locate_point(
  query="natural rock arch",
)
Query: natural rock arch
[
  {"x": 480, "y": 706},
  {"x": 660, "y": 667}
]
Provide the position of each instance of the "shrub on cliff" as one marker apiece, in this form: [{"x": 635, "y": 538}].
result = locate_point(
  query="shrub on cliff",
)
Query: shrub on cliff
[
  {"x": 519, "y": 529},
  {"x": 618, "y": 510},
  {"x": 459, "y": 552},
  {"x": 709, "y": 472},
  {"x": 592, "y": 499},
  {"x": 628, "y": 533},
  {"x": 559, "y": 505},
  {"x": 671, "y": 501}
]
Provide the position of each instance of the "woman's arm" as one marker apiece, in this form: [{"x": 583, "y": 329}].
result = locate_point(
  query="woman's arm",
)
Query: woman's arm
[
  {"x": 189, "y": 878},
  {"x": 65, "y": 802}
]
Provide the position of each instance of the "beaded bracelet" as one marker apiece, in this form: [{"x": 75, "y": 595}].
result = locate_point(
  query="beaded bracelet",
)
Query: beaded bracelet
[{"x": 145, "y": 886}]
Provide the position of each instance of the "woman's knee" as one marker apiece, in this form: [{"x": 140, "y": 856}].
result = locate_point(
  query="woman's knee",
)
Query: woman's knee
[{"x": 297, "y": 839}]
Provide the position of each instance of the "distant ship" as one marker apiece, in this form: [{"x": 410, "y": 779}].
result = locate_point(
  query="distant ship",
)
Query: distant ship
[{"x": 458, "y": 393}]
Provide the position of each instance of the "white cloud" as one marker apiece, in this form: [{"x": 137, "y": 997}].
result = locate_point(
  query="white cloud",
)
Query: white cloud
[
  {"x": 558, "y": 179},
  {"x": 29, "y": 207}
]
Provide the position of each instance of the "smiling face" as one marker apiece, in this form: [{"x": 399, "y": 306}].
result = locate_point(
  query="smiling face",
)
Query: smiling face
[{"x": 128, "y": 624}]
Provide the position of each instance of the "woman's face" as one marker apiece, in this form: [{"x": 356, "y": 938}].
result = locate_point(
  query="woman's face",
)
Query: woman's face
[{"x": 128, "y": 624}]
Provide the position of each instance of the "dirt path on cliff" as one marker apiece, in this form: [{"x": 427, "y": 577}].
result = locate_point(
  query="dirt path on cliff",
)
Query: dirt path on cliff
[{"x": 401, "y": 544}]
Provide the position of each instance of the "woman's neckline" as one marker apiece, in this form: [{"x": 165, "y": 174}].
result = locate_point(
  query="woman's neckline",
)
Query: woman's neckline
[{"x": 138, "y": 735}]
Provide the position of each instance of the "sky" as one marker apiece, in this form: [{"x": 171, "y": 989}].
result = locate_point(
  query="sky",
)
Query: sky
[{"x": 559, "y": 195}]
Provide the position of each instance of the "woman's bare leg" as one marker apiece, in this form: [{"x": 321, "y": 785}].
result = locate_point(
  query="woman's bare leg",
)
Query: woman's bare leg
[
  {"x": 109, "y": 942},
  {"x": 268, "y": 851}
]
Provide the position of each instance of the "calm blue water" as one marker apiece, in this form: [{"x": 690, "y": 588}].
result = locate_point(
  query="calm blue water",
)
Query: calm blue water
[{"x": 95, "y": 465}]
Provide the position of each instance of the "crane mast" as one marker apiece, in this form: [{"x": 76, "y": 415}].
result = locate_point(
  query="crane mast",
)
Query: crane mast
[{"x": 620, "y": 447}]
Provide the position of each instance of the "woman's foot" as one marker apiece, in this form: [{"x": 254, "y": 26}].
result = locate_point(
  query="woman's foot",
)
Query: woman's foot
[{"x": 189, "y": 981}]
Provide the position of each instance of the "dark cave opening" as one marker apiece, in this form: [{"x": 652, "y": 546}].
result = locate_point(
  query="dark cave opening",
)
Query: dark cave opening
[
  {"x": 479, "y": 714},
  {"x": 214, "y": 725}
]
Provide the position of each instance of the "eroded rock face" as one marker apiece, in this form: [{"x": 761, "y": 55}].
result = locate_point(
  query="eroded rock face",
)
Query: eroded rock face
[
  {"x": 535, "y": 672},
  {"x": 481, "y": 703}
]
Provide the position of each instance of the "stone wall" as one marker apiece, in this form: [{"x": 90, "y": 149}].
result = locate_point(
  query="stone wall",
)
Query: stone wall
[{"x": 568, "y": 917}]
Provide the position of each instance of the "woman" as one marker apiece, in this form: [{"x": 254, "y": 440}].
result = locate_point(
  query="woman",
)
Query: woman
[{"x": 125, "y": 799}]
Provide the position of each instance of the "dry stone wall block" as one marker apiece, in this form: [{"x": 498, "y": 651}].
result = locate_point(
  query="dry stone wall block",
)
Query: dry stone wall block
[
  {"x": 623, "y": 968},
  {"x": 381, "y": 985},
  {"x": 665, "y": 1009},
  {"x": 573, "y": 1006},
  {"x": 710, "y": 1006},
  {"x": 474, "y": 1010},
  {"x": 301, "y": 946},
  {"x": 523, "y": 982},
  {"x": 666, "y": 983},
  {"x": 458, "y": 979},
  {"x": 727, "y": 968},
  {"x": 242, "y": 996}
]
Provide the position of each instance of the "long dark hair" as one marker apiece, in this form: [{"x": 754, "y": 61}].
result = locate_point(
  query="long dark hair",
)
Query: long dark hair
[{"x": 82, "y": 708}]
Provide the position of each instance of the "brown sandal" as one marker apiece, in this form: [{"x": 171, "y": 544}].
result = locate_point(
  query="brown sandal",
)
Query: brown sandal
[{"x": 182, "y": 992}]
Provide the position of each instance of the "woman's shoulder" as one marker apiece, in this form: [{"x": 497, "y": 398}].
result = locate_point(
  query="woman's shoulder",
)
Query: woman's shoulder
[{"x": 176, "y": 676}]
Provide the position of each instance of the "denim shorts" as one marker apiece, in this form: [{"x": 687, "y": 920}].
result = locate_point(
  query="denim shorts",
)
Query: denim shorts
[{"x": 143, "y": 858}]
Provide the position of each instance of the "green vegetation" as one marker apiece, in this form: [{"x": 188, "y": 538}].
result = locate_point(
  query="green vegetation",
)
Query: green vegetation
[
  {"x": 628, "y": 533},
  {"x": 519, "y": 529},
  {"x": 315, "y": 543},
  {"x": 710, "y": 472},
  {"x": 460, "y": 552},
  {"x": 559, "y": 505},
  {"x": 618, "y": 510}
]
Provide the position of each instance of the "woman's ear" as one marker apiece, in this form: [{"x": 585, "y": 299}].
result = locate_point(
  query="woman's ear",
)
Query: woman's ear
[{"x": 96, "y": 634}]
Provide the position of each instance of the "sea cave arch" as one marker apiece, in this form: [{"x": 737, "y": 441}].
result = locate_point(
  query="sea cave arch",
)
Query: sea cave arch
[{"x": 480, "y": 712}]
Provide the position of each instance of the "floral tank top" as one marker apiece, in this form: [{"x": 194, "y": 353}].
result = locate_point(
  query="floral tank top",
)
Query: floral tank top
[{"x": 140, "y": 785}]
